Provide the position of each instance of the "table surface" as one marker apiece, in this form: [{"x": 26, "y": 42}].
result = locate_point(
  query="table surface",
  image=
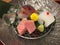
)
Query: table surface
[{"x": 9, "y": 37}]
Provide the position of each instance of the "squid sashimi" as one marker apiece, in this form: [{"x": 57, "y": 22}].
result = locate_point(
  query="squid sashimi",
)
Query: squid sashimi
[{"x": 47, "y": 17}]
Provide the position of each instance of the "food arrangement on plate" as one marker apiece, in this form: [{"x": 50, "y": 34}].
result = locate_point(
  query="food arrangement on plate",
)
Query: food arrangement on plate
[{"x": 30, "y": 22}]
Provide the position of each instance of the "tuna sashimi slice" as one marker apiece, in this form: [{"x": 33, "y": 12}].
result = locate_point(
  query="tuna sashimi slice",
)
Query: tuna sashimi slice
[
  {"x": 30, "y": 26},
  {"x": 21, "y": 27}
]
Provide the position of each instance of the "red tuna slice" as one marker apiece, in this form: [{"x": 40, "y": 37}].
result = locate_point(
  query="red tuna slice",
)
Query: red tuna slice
[
  {"x": 30, "y": 26},
  {"x": 21, "y": 27},
  {"x": 28, "y": 10}
]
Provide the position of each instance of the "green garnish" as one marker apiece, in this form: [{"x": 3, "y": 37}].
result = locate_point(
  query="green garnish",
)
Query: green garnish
[{"x": 41, "y": 28}]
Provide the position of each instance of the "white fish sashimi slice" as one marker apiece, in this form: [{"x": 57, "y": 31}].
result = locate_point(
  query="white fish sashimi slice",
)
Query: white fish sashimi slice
[{"x": 47, "y": 18}]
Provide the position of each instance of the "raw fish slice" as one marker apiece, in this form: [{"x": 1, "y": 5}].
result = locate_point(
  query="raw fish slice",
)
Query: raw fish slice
[
  {"x": 47, "y": 17},
  {"x": 30, "y": 26},
  {"x": 21, "y": 27},
  {"x": 28, "y": 10},
  {"x": 21, "y": 15}
]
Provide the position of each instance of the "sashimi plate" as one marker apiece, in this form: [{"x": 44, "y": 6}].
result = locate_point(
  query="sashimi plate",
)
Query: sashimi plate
[{"x": 36, "y": 14}]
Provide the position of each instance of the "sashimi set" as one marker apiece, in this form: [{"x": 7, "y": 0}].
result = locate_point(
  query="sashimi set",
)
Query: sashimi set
[
  {"x": 29, "y": 17},
  {"x": 30, "y": 21}
]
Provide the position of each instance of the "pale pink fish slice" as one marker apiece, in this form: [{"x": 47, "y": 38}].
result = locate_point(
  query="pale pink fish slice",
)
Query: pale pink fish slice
[
  {"x": 30, "y": 26},
  {"x": 21, "y": 27}
]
